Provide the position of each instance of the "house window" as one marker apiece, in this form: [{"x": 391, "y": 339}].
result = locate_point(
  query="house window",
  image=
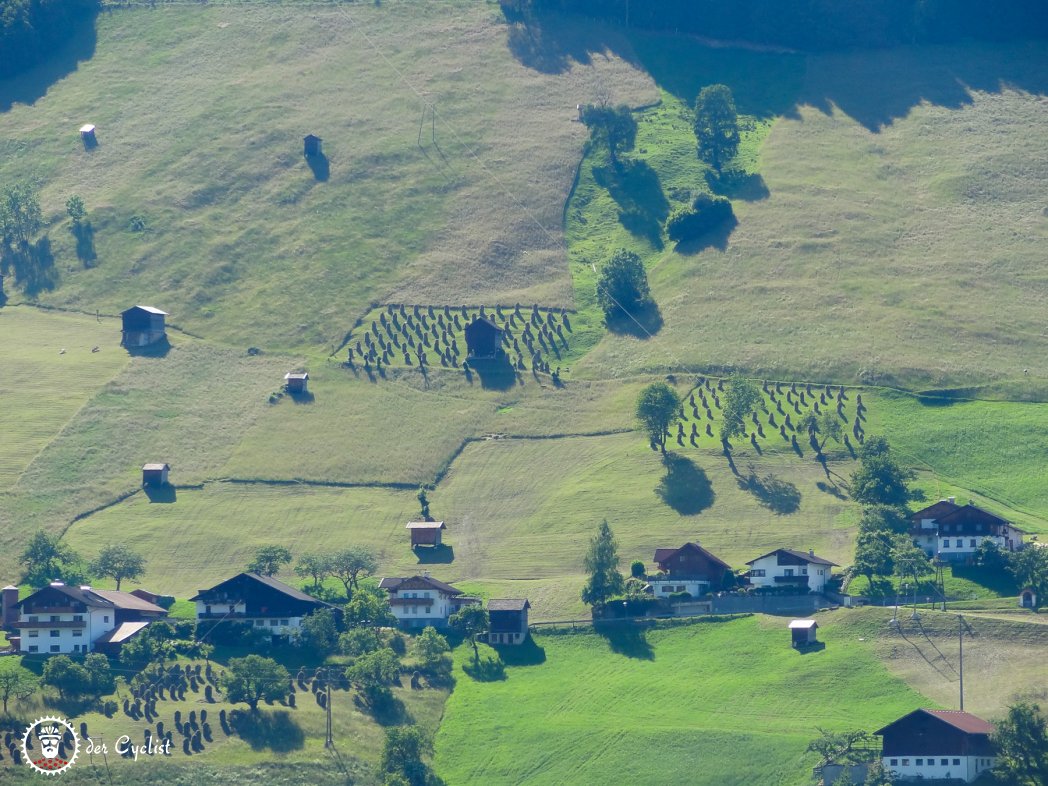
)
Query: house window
[
  {"x": 757, "y": 574},
  {"x": 414, "y": 609},
  {"x": 34, "y": 634},
  {"x": 788, "y": 572},
  {"x": 77, "y": 634},
  {"x": 428, "y": 609},
  {"x": 956, "y": 762},
  {"x": 680, "y": 588},
  {"x": 207, "y": 609},
  {"x": 55, "y": 648},
  {"x": 894, "y": 762},
  {"x": 55, "y": 618},
  {"x": 919, "y": 763},
  {"x": 946, "y": 543},
  {"x": 260, "y": 623},
  {"x": 905, "y": 762},
  {"x": 272, "y": 623},
  {"x": 105, "y": 619},
  {"x": 33, "y": 648},
  {"x": 971, "y": 542},
  {"x": 78, "y": 618},
  {"x": 667, "y": 588},
  {"x": 34, "y": 619},
  {"x": 284, "y": 623},
  {"x": 55, "y": 634},
  {"x": 944, "y": 762}
]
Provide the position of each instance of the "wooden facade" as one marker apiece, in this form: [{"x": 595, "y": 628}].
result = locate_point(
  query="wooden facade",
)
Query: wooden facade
[
  {"x": 508, "y": 620},
  {"x": 483, "y": 339},
  {"x": 803, "y": 633},
  {"x": 426, "y": 533},
  {"x": 142, "y": 326},
  {"x": 155, "y": 474},
  {"x": 296, "y": 383},
  {"x": 311, "y": 145}
]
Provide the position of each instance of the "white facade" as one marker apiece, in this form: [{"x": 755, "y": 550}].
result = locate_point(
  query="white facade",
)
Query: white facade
[
  {"x": 418, "y": 608},
  {"x": 73, "y": 633},
  {"x": 664, "y": 586},
  {"x": 765, "y": 570},
  {"x": 965, "y": 768}
]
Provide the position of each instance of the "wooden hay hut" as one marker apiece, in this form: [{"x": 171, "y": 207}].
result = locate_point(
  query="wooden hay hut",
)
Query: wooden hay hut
[
  {"x": 1028, "y": 598},
  {"x": 803, "y": 633},
  {"x": 155, "y": 474},
  {"x": 142, "y": 326},
  {"x": 311, "y": 145},
  {"x": 87, "y": 134},
  {"x": 426, "y": 533},
  {"x": 296, "y": 383},
  {"x": 483, "y": 339}
]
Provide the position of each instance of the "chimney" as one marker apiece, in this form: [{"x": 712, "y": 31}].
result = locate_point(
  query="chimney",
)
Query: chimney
[
  {"x": 811, "y": 552},
  {"x": 8, "y": 612},
  {"x": 952, "y": 500},
  {"x": 85, "y": 587},
  {"x": 57, "y": 584}
]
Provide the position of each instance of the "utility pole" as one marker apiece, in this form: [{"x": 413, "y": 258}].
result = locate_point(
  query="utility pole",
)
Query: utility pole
[
  {"x": 329, "y": 741},
  {"x": 962, "y": 626}
]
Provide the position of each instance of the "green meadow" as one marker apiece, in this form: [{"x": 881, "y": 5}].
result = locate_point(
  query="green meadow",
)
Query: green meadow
[{"x": 706, "y": 702}]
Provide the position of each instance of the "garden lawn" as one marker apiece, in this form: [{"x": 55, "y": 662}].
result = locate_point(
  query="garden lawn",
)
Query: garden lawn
[{"x": 707, "y": 702}]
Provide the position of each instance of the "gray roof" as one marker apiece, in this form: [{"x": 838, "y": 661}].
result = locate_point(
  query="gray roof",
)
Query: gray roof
[
  {"x": 104, "y": 599},
  {"x": 508, "y": 604},
  {"x": 394, "y": 583},
  {"x": 803, "y": 555},
  {"x": 152, "y": 310}
]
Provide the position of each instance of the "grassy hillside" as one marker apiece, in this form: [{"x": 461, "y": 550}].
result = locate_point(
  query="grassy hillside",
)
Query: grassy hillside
[
  {"x": 201, "y": 113},
  {"x": 49, "y": 373},
  {"x": 894, "y": 186},
  {"x": 705, "y": 703},
  {"x": 520, "y": 513}
]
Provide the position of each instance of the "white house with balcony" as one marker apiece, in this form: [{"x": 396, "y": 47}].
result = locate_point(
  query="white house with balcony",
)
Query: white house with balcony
[
  {"x": 953, "y": 532},
  {"x": 418, "y": 601},
  {"x": 70, "y": 620},
  {"x": 801, "y": 570}
]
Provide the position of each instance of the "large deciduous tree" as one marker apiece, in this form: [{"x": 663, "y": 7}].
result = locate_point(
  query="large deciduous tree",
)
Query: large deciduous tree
[
  {"x": 47, "y": 558},
  {"x": 716, "y": 125},
  {"x": 20, "y": 217},
  {"x": 471, "y": 621},
  {"x": 16, "y": 682},
  {"x": 253, "y": 678},
  {"x": 622, "y": 288},
  {"x": 314, "y": 566},
  {"x": 1021, "y": 740},
  {"x": 118, "y": 562},
  {"x": 741, "y": 399},
  {"x": 602, "y": 565},
  {"x": 658, "y": 408},
  {"x": 613, "y": 128},
  {"x": 880, "y": 480},
  {"x": 1030, "y": 569},
  {"x": 351, "y": 564},
  {"x": 269, "y": 560}
]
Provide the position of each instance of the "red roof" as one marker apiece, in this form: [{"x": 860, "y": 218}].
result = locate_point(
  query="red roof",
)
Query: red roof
[{"x": 962, "y": 721}]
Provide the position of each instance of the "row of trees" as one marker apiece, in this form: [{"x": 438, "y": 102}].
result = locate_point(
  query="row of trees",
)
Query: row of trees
[
  {"x": 47, "y": 558},
  {"x": 348, "y": 565}
]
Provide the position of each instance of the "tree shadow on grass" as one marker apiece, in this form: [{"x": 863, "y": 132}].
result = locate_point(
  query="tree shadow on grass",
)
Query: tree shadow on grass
[
  {"x": 552, "y": 44},
  {"x": 749, "y": 187},
  {"x": 685, "y": 487},
  {"x": 26, "y": 88},
  {"x": 274, "y": 731},
  {"x": 715, "y": 238},
  {"x": 832, "y": 489},
  {"x": 487, "y": 669},
  {"x": 777, "y": 495},
  {"x": 637, "y": 190},
  {"x": 626, "y": 638},
  {"x": 34, "y": 267},
  {"x": 385, "y": 709},
  {"x": 85, "y": 243},
  {"x": 641, "y": 322}
]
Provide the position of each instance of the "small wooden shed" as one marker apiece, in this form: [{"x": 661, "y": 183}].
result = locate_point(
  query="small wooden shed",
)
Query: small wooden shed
[
  {"x": 1028, "y": 598},
  {"x": 87, "y": 134},
  {"x": 155, "y": 474},
  {"x": 142, "y": 326},
  {"x": 296, "y": 383},
  {"x": 311, "y": 145},
  {"x": 426, "y": 533},
  {"x": 803, "y": 632},
  {"x": 483, "y": 339}
]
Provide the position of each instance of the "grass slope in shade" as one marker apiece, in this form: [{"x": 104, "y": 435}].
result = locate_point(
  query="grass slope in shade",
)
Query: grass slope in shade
[
  {"x": 520, "y": 514},
  {"x": 189, "y": 409},
  {"x": 879, "y": 215},
  {"x": 201, "y": 113},
  {"x": 703, "y": 703},
  {"x": 995, "y": 448},
  {"x": 49, "y": 372}
]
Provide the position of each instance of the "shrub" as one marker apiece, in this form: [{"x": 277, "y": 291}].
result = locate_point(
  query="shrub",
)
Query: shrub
[
  {"x": 637, "y": 569},
  {"x": 707, "y": 213}
]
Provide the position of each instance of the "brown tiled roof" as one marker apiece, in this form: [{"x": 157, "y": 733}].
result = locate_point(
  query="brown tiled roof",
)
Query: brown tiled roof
[
  {"x": 125, "y": 600},
  {"x": 963, "y": 721},
  {"x": 661, "y": 555},
  {"x": 970, "y": 514},
  {"x": 393, "y": 583},
  {"x": 101, "y": 599},
  {"x": 508, "y": 604},
  {"x": 940, "y": 508}
]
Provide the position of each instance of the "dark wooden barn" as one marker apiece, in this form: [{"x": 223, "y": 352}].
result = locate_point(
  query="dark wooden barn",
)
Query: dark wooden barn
[
  {"x": 155, "y": 474},
  {"x": 426, "y": 533},
  {"x": 803, "y": 633},
  {"x": 311, "y": 145},
  {"x": 508, "y": 620},
  {"x": 142, "y": 326},
  {"x": 483, "y": 339},
  {"x": 296, "y": 383}
]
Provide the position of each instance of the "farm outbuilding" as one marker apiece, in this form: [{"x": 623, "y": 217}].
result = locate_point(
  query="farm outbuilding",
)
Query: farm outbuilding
[
  {"x": 311, "y": 145},
  {"x": 1028, "y": 598},
  {"x": 87, "y": 135},
  {"x": 483, "y": 339},
  {"x": 508, "y": 620},
  {"x": 296, "y": 382},
  {"x": 426, "y": 533},
  {"x": 155, "y": 474},
  {"x": 142, "y": 326},
  {"x": 803, "y": 632}
]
